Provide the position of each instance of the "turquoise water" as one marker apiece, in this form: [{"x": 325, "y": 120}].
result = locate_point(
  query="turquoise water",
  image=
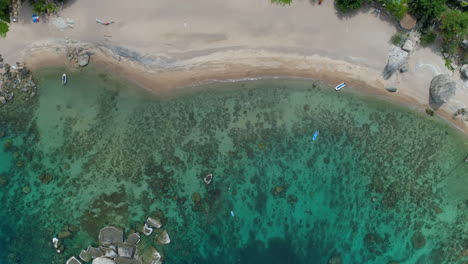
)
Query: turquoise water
[{"x": 377, "y": 176}]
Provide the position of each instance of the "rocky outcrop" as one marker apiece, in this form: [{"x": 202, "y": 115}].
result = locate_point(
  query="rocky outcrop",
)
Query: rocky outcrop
[
  {"x": 464, "y": 71},
  {"x": 441, "y": 90},
  {"x": 83, "y": 60},
  {"x": 103, "y": 260},
  {"x": 163, "y": 238},
  {"x": 77, "y": 54},
  {"x": 73, "y": 260},
  {"x": 408, "y": 46},
  {"x": 15, "y": 80},
  {"x": 110, "y": 235},
  {"x": 396, "y": 58},
  {"x": 153, "y": 222}
]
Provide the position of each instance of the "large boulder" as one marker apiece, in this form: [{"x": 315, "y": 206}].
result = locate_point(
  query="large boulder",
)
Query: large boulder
[
  {"x": 464, "y": 71},
  {"x": 126, "y": 251},
  {"x": 396, "y": 58},
  {"x": 83, "y": 59},
  {"x": 163, "y": 238},
  {"x": 408, "y": 46},
  {"x": 442, "y": 89},
  {"x": 103, "y": 260},
  {"x": 133, "y": 239},
  {"x": 153, "y": 222},
  {"x": 110, "y": 235},
  {"x": 73, "y": 260}
]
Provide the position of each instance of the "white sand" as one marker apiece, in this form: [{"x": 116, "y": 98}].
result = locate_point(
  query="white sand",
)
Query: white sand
[{"x": 190, "y": 42}]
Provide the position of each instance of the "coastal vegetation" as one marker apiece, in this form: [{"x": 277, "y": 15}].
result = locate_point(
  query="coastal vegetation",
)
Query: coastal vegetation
[
  {"x": 347, "y": 5},
  {"x": 44, "y": 7},
  {"x": 282, "y": 2},
  {"x": 4, "y": 17},
  {"x": 399, "y": 38}
]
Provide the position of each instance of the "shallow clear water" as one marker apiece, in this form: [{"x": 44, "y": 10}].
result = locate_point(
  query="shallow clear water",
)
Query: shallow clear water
[{"x": 376, "y": 176}]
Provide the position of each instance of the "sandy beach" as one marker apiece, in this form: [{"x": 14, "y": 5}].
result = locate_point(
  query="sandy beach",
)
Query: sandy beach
[{"x": 162, "y": 45}]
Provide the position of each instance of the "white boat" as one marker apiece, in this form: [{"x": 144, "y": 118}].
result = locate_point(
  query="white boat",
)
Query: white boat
[
  {"x": 64, "y": 79},
  {"x": 339, "y": 86}
]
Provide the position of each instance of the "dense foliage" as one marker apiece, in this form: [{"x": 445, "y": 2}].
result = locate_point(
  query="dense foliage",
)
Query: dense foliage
[
  {"x": 397, "y": 8},
  {"x": 427, "y": 10},
  {"x": 44, "y": 7},
  {"x": 3, "y": 29},
  {"x": 428, "y": 37},
  {"x": 454, "y": 28},
  {"x": 5, "y": 10},
  {"x": 347, "y": 5}
]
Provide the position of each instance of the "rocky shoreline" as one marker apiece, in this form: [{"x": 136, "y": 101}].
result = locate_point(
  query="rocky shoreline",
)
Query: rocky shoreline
[{"x": 15, "y": 80}]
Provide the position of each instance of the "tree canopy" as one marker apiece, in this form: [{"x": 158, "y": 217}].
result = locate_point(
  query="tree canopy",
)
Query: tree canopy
[
  {"x": 427, "y": 10},
  {"x": 454, "y": 28},
  {"x": 5, "y": 10},
  {"x": 347, "y": 5}
]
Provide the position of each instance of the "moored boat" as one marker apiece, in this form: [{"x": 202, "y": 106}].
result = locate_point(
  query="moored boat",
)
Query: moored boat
[{"x": 64, "y": 79}]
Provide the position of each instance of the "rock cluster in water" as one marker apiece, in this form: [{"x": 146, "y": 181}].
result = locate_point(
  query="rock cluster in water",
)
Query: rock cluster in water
[
  {"x": 114, "y": 249},
  {"x": 13, "y": 80}
]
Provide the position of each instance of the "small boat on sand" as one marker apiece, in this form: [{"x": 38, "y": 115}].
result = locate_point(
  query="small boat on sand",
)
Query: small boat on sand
[
  {"x": 339, "y": 86},
  {"x": 315, "y": 136},
  {"x": 64, "y": 79}
]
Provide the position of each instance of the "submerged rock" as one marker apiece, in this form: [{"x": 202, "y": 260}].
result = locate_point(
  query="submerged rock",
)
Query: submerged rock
[
  {"x": 196, "y": 197},
  {"x": 442, "y": 89},
  {"x": 73, "y": 260},
  {"x": 26, "y": 189},
  {"x": 335, "y": 260},
  {"x": 64, "y": 234},
  {"x": 3, "y": 180},
  {"x": 45, "y": 178},
  {"x": 133, "y": 239},
  {"x": 110, "y": 235},
  {"x": 396, "y": 58},
  {"x": 163, "y": 238},
  {"x": 418, "y": 240}
]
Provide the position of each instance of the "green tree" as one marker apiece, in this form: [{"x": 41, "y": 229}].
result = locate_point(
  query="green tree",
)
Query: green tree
[
  {"x": 3, "y": 29},
  {"x": 44, "y": 7},
  {"x": 454, "y": 28},
  {"x": 5, "y": 10},
  {"x": 428, "y": 37},
  {"x": 427, "y": 10},
  {"x": 281, "y": 2},
  {"x": 397, "y": 9},
  {"x": 347, "y": 5}
]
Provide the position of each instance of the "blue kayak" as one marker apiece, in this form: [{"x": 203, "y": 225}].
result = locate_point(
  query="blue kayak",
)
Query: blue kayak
[{"x": 315, "y": 136}]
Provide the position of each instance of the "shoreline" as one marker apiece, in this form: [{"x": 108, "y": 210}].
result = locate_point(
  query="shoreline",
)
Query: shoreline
[{"x": 185, "y": 74}]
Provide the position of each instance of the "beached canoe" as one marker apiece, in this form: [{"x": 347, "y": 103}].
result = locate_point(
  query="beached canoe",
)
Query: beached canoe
[{"x": 339, "y": 86}]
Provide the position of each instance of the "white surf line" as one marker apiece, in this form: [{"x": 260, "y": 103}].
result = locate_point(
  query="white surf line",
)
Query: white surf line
[{"x": 430, "y": 66}]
